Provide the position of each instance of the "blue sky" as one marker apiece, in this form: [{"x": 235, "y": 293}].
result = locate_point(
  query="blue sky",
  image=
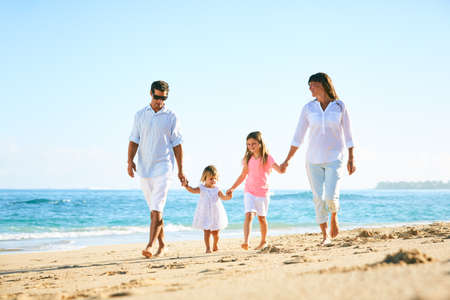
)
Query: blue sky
[{"x": 75, "y": 72}]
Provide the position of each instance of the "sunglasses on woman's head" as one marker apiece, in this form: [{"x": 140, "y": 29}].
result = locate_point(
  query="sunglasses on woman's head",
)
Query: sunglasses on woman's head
[{"x": 156, "y": 97}]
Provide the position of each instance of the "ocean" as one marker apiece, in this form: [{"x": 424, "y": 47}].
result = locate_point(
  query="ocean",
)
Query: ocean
[{"x": 54, "y": 220}]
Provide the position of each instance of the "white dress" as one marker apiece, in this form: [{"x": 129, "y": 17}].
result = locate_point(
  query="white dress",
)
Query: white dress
[{"x": 210, "y": 213}]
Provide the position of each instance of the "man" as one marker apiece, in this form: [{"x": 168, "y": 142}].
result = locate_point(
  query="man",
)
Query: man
[{"x": 156, "y": 137}]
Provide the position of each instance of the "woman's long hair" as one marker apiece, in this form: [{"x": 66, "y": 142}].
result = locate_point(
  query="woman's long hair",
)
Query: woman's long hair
[
  {"x": 256, "y": 135},
  {"x": 326, "y": 82}
]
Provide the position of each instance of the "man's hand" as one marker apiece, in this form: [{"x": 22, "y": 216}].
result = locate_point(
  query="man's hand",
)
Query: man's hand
[
  {"x": 283, "y": 166},
  {"x": 131, "y": 168},
  {"x": 182, "y": 178},
  {"x": 229, "y": 193},
  {"x": 351, "y": 167},
  {"x": 185, "y": 184}
]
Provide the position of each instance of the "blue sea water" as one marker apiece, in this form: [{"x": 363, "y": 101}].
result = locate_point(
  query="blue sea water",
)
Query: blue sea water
[{"x": 43, "y": 220}]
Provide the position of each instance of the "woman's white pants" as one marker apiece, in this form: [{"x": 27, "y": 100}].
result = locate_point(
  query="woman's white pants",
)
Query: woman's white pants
[{"x": 324, "y": 180}]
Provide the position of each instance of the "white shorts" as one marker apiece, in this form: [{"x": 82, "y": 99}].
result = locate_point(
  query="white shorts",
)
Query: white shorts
[
  {"x": 253, "y": 203},
  {"x": 155, "y": 191}
]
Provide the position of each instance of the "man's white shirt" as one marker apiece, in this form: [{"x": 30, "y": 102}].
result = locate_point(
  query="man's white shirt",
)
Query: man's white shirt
[{"x": 156, "y": 134}]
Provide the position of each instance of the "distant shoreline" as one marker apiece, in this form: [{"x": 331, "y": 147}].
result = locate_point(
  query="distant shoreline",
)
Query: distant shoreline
[{"x": 413, "y": 185}]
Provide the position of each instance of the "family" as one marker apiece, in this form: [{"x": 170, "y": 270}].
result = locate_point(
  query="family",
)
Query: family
[{"x": 157, "y": 140}]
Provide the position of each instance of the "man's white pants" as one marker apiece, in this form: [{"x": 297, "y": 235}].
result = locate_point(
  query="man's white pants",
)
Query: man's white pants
[
  {"x": 324, "y": 180},
  {"x": 155, "y": 191}
]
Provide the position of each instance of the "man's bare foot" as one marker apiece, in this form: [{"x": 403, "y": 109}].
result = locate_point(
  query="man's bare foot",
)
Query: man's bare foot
[
  {"x": 208, "y": 250},
  {"x": 261, "y": 245},
  {"x": 215, "y": 248},
  {"x": 334, "y": 226},
  {"x": 146, "y": 254},
  {"x": 161, "y": 251},
  {"x": 244, "y": 246}
]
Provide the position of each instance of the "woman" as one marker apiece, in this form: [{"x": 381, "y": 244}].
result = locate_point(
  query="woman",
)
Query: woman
[{"x": 329, "y": 126}]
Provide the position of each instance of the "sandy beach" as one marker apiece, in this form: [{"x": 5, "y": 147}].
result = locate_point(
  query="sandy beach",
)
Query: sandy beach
[{"x": 409, "y": 262}]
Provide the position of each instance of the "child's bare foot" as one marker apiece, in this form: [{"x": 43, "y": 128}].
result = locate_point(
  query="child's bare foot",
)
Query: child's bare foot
[
  {"x": 146, "y": 253},
  {"x": 244, "y": 246},
  {"x": 208, "y": 250},
  {"x": 334, "y": 230},
  {"x": 261, "y": 245}
]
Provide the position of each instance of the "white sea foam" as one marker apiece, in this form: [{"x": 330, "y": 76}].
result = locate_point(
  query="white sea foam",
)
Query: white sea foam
[
  {"x": 88, "y": 232},
  {"x": 175, "y": 228}
]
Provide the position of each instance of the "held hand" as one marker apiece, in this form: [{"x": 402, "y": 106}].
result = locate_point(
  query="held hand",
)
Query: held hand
[
  {"x": 283, "y": 167},
  {"x": 182, "y": 178},
  {"x": 185, "y": 184},
  {"x": 229, "y": 193},
  {"x": 131, "y": 168},
  {"x": 351, "y": 167}
]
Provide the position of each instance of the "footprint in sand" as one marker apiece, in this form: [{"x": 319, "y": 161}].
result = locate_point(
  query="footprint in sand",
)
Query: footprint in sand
[
  {"x": 174, "y": 287},
  {"x": 270, "y": 249},
  {"x": 156, "y": 266},
  {"x": 120, "y": 294},
  {"x": 361, "y": 252},
  {"x": 227, "y": 259},
  {"x": 387, "y": 236},
  {"x": 212, "y": 271},
  {"x": 297, "y": 259},
  {"x": 111, "y": 273},
  {"x": 368, "y": 233},
  {"x": 176, "y": 265}
]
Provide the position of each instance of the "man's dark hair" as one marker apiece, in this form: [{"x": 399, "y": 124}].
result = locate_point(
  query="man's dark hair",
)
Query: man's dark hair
[{"x": 160, "y": 86}]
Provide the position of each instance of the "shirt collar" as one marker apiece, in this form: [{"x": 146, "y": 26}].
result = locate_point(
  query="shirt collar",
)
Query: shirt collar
[
  {"x": 149, "y": 108},
  {"x": 331, "y": 102}
]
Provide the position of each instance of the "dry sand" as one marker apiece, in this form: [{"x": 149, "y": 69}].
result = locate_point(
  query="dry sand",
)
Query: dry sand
[{"x": 410, "y": 262}]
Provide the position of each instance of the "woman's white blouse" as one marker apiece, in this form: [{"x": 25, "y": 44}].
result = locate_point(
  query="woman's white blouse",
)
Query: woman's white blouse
[{"x": 327, "y": 131}]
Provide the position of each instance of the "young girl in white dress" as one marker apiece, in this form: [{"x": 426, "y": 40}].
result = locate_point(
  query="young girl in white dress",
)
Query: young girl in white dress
[{"x": 210, "y": 215}]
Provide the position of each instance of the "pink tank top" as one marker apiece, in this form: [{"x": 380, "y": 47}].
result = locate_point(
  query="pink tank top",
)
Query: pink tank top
[{"x": 257, "y": 177}]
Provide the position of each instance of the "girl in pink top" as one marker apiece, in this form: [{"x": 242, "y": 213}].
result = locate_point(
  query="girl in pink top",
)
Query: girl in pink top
[{"x": 257, "y": 165}]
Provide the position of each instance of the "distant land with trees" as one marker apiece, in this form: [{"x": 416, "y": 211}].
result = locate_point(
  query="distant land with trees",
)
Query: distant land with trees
[{"x": 413, "y": 185}]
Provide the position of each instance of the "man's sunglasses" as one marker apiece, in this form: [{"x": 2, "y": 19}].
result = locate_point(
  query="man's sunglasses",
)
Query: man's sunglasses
[{"x": 163, "y": 98}]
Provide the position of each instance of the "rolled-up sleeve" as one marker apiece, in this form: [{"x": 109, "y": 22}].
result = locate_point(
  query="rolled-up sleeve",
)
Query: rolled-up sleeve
[
  {"x": 345, "y": 123},
  {"x": 176, "y": 137},
  {"x": 135, "y": 136},
  {"x": 302, "y": 127}
]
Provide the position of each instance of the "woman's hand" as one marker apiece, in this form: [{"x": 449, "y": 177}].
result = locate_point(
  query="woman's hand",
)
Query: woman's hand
[{"x": 351, "y": 167}]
